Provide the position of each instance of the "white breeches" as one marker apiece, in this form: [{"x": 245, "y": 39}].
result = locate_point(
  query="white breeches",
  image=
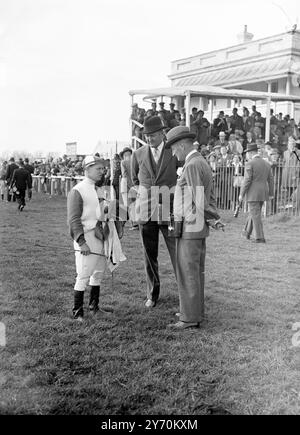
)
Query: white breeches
[
  {"x": 89, "y": 268},
  {"x": 2, "y": 187}
]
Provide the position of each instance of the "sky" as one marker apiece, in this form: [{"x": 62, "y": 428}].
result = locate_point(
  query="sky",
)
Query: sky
[{"x": 66, "y": 66}]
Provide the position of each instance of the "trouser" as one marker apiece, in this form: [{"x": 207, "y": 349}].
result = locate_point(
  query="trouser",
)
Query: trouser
[
  {"x": 9, "y": 196},
  {"x": 21, "y": 197},
  {"x": 2, "y": 188},
  {"x": 89, "y": 268},
  {"x": 254, "y": 222},
  {"x": 191, "y": 278},
  {"x": 150, "y": 240}
]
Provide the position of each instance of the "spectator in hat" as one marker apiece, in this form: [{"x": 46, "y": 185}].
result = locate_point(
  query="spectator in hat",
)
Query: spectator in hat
[
  {"x": 202, "y": 125},
  {"x": 219, "y": 125},
  {"x": 222, "y": 139},
  {"x": 236, "y": 121},
  {"x": 172, "y": 113},
  {"x": 191, "y": 228},
  {"x": 22, "y": 180},
  {"x": 176, "y": 121},
  {"x": 154, "y": 167},
  {"x": 234, "y": 145},
  {"x": 12, "y": 166},
  {"x": 256, "y": 189},
  {"x": 154, "y": 109},
  {"x": 291, "y": 168}
]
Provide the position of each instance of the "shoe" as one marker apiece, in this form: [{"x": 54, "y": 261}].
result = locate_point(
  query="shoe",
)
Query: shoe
[
  {"x": 259, "y": 241},
  {"x": 136, "y": 227},
  {"x": 177, "y": 314},
  {"x": 183, "y": 325},
  {"x": 245, "y": 234},
  {"x": 21, "y": 207},
  {"x": 150, "y": 304}
]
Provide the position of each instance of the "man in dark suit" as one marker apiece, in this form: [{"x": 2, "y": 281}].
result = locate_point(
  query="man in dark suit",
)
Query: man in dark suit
[
  {"x": 258, "y": 186},
  {"x": 220, "y": 124},
  {"x": 154, "y": 167},
  {"x": 12, "y": 166},
  {"x": 21, "y": 180},
  {"x": 194, "y": 211},
  {"x": 236, "y": 121},
  {"x": 30, "y": 169}
]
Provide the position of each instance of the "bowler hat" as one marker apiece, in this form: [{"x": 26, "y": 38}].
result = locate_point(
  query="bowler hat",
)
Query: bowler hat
[
  {"x": 178, "y": 133},
  {"x": 125, "y": 150},
  {"x": 251, "y": 147},
  {"x": 152, "y": 125}
]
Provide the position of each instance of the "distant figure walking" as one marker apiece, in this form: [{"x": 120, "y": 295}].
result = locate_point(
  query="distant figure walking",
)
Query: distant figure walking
[{"x": 21, "y": 179}]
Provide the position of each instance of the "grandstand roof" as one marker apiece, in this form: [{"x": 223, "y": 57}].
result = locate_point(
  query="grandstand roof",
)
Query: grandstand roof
[{"x": 212, "y": 92}]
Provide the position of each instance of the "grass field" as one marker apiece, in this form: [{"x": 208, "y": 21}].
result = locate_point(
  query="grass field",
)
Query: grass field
[{"x": 241, "y": 362}]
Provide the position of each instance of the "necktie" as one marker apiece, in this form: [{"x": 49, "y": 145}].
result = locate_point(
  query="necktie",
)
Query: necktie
[{"x": 156, "y": 154}]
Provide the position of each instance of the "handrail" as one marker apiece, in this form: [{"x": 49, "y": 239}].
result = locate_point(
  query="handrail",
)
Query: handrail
[
  {"x": 133, "y": 121},
  {"x": 139, "y": 140}
]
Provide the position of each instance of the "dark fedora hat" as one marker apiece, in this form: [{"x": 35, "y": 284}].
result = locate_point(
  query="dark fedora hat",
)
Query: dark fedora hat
[
  {"x": 251, "y": 147},
  {"x": 152, "y": 125},
  {"x": 125, "y": 150},
  {"x": 178, "y": 133}
]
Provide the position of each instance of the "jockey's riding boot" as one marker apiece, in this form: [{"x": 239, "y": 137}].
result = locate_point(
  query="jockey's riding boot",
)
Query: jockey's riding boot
[
  {"x": 2, "y": 197},
  {"x": 94, "y": 298},
  {"x": 78, "y": 305}
]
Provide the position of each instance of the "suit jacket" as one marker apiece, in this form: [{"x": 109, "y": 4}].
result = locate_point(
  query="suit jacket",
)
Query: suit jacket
[
  {"x": 258, "y": 183},
  {"x": 10, "y": 171},
  {"x": 22, "y": 179},
  {"x": 149, "y": 177},
  {"x": 196, "y": 183}
]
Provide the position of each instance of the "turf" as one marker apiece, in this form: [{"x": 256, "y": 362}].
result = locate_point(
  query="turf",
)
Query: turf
[{"x": 240, "y": 362}]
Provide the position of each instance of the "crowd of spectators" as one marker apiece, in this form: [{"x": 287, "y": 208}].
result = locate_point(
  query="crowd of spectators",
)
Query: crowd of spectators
[
  {"x": 234, "y": 130},
  {"x": 223, "y": 144}
]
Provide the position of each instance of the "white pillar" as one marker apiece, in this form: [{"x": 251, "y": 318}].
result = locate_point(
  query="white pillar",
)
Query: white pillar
[
  {"x": 269, "y": 87},
  {"x": 211, "y": 102},
  {"x": 268, "y": 120},
  {"x": 293, "y": 109},
  {"x": 288, "y": 86},
  {"x": 188, "y": 109},
  {"x": 201, "y": 103}
]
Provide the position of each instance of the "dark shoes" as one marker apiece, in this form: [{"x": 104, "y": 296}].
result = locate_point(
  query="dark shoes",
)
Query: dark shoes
[
  {"x": 150, "y": 304},
  {"x": 94, "y": 299},
  {"x": 245, "y": 234},
  {"x": 181, "y": 326},
  {"x": 78, "y": 306}
]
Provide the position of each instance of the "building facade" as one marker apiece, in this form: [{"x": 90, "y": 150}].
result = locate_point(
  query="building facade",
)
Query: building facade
[{"x": 266, "y": 65}]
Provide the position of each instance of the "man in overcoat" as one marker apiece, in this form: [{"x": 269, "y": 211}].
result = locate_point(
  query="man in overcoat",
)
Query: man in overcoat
[
  {"x": 194, "y": 211},
  {"x": 257, "y": 187}
]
